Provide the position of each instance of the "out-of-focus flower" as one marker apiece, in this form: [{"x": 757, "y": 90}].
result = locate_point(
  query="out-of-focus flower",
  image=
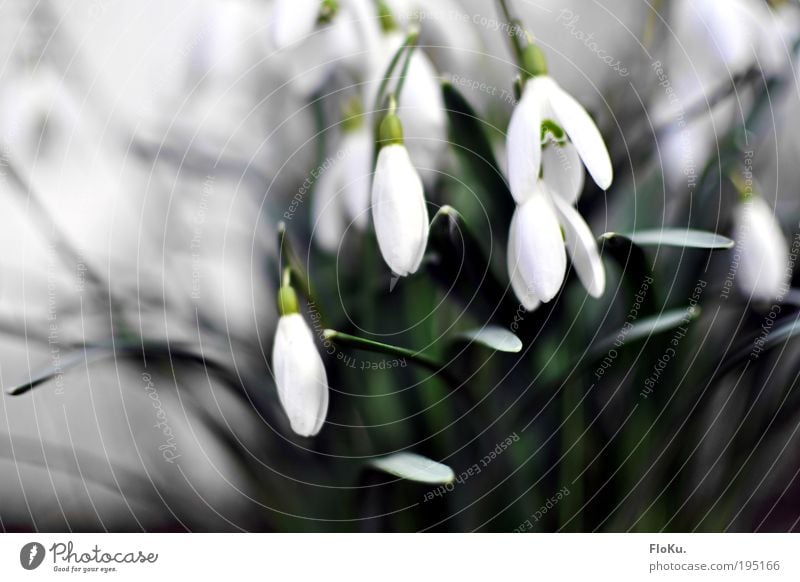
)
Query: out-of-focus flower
[
  {"x": 714, "y": 41},
  {"x": 762, "y": 250},
  {"x": 398, "y": 202},
  {"x": 299, "y": 371},
  {"x": 293, "y": 20},
  {"x": 342, "y": 192}
]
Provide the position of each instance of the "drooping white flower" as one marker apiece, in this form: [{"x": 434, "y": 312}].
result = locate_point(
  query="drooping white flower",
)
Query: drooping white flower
[
  {"x": 762, "y": 250},
  {"x": 292, "y": 21},
  {"x": 543, "y": 225},
  {"x": 536, "y": 249},
  {"x": 544, "y": 101},
  {"x": 299, "y": 371},
  {"x": 398, "y": 203}
]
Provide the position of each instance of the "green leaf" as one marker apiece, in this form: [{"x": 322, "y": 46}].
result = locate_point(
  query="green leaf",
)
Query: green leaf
[
  {"x": 413, "y": 467},
  {"x": 675, "y": 237},
  {"x": 477, "y": 163},
  {"x": 494, "y": 337},
  {"x": 649, "y": 326}
]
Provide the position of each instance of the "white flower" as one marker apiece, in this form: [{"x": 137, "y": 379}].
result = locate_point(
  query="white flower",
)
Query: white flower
[
  {"x": 761, "y": 249},
  {"x": 399, "y": 210},
  {"x": 292, "y": 21},
  {"x": 537, "y": 260},
  {"x": 300, "y": 375},
  {"x": 542, "y": 226},
  {"x": 543, "y": 100},
  {"x": 341, "y": 197}
]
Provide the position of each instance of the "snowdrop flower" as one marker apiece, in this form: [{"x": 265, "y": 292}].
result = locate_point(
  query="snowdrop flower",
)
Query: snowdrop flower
[
  {"x": 398, "y": 202},
  {"x": 299, "y": 372},
  {"x": 342, "y": 192},
  {"x": 293, "y": 20},
  {"x": 544, "y": 229},
  {"x": 546, "y": 107},
  {"x": 761, "y": 249}
]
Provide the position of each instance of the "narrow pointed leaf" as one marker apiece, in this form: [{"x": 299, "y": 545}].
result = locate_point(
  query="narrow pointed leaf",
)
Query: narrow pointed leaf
[
  {"x": 493, "y": 337},
  {"x": 650, "y": 326},
  {"x": 676, "y": 237},
  {"x": 414, "y": 468}
]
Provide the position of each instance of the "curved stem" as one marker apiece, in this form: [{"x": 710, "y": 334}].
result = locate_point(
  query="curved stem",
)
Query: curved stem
[{"x": 381, "y": 348}]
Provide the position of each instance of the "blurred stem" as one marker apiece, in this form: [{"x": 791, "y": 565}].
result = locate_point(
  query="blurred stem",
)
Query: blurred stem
[
  {"x": 650, "y": 23},
  {"x": 290, "y": 263},
  {"x": 372, "y": 346},
  {"x": 410, "y": 41},
  {"x": 411, "y": 45},
  {"x": 515, "y": 30}
]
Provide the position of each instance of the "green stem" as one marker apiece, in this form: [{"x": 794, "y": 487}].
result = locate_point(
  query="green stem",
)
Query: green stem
[
  {"x": 411, "y": 45},
  {"x": 515, "y": 30},
  {"x": 411, "y": 39},
  {"x": 372, "y": 346},
  {"x": 289, "y": 262}
]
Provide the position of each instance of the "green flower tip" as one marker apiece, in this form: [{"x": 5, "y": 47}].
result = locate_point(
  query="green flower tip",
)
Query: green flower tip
[
  {"x": 386, "y": 18},
  {"x": 287, "y": 301},
  {"x": 327, "y": 10},
  {"x": 533, "y": 61},
  {"x": 391, "y": 131},
  {"x": 352, "y": 115}
]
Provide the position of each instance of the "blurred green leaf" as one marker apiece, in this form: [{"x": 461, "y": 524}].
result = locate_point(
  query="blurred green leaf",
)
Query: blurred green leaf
[
  {"x": 413, "y": 467},
  {"x": 649, "y": 326},
  {"x": 493, "y": 337},
  {"x": 675, "y": 237},
  {"x": 477, "y": 162},
  {"x": 461, "y": 267}
]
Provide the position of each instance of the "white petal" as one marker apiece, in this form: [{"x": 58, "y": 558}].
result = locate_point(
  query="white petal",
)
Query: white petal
[
  {"x": 357, "y": 174},
  {"x": 399, "y": 210},
  {"x": 326, "y": 208},
  {"x": 525, "y": 295},
  {"x": 539, "y": 246},
  {"x": 762, "y": 251},
  {"x": 300, "y": 375},
  {"x": 524, "y": 141},
  {"x": 582, "y": 248},
  {"x": 582, "y": 131},
  {"x": 562, "y": 171},
  {"x": 292, "y": 21}
]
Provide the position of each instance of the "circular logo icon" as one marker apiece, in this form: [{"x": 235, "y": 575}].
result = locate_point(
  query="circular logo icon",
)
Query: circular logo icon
[{"x": 31, "y": 555}]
